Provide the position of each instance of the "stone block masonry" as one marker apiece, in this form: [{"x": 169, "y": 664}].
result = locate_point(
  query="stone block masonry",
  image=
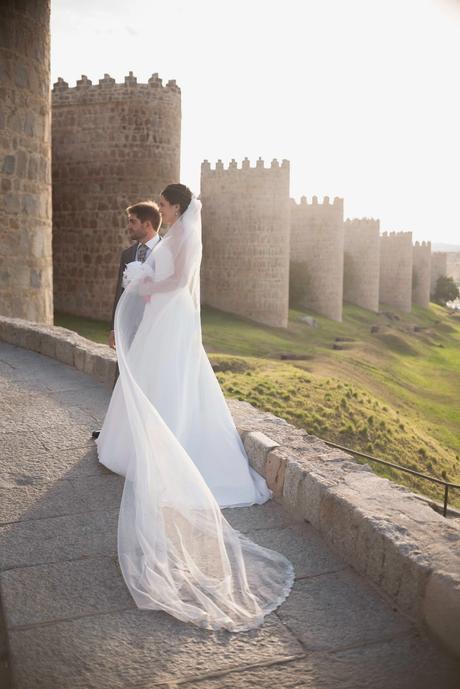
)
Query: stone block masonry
[
  {"x": 396, "y": 270},
  {"x": 113, "y": 145},
  {"x": 245, "y": 267},
  {"x": 438, "y": 268},
  {"x": 26, "y": 289},
  {"x": 453, "y": 265},
  {"x": 362, "y": 262},
  {"x": 317, "y": 240},
  {"x": 421, "y": 273}
]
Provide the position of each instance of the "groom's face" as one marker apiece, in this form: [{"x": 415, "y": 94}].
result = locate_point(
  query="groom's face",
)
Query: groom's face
[{"x": 136, "y": 228}]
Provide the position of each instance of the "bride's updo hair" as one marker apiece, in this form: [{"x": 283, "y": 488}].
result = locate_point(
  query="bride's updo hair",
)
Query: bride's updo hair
[{"x": 178, "y": 193}]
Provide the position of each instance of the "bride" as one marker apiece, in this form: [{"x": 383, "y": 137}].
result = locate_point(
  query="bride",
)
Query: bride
[{"x": 169, "y": 431}]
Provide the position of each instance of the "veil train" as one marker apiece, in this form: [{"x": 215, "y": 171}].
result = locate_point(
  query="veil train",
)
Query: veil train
[{"x": 176, "y": 550}]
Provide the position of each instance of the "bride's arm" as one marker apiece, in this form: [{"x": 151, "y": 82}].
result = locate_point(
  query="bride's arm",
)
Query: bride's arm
[{"x": 185, "y": 255}]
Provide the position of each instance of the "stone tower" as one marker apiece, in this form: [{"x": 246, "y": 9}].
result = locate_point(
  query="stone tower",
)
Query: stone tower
[
  {"x": 113, "y": 145},
  {"x": 421, "y": 273},
  {"x": 362, "y": 262},
  {"x": 438, "y": 268},
  {"x": 396, "y": 270},
  {"x": 317, "y": 241},
  {"x": 25, "y": 157},
  {"x": 245, "y": 266}
]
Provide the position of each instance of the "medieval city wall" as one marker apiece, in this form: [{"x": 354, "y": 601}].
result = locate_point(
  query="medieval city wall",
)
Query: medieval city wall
[
  {"x": 317, "y": 240},
  {"x": 113, "y": 145},
  {"x": 396, "y": 270},
  {"x": 453, "y": 265},
  {"x": 438, "y": 268},
  {"x": 362, "y": 262},
  {"x": 421, "y": 273},
  {"x": 245, "y": 268},
  {"x": 26, "y": 289}
]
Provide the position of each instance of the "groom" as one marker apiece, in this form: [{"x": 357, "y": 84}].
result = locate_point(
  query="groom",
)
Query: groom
[{"x": 144, "y": 221}]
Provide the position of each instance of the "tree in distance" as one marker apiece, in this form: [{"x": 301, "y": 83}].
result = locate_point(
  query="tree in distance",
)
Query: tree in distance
[{"x": 446, "y": 290}]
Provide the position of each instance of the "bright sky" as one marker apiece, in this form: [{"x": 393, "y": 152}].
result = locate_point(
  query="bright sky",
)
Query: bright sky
[{"x": 362, "y": 96}]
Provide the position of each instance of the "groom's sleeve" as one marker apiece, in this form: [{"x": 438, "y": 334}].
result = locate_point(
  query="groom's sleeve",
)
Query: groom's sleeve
[{"x": 119, "y": 288}]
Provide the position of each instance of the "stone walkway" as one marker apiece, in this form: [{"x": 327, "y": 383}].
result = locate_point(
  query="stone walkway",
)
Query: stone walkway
[{"x": 70, "y": 622}]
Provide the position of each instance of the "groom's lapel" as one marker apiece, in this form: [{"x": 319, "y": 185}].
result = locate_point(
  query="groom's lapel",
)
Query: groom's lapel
[{"x": 133, "y": 253}]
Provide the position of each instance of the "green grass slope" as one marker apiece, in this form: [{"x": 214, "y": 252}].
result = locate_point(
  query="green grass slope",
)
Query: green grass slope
[{"x": 387, "y": 384}]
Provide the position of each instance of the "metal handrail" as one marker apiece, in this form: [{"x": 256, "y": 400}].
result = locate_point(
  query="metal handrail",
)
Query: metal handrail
[{"x": 446, "y": 484}]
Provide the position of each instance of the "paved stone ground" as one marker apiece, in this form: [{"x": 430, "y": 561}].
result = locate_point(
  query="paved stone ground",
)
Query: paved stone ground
[{"x": 70, "y": 622}]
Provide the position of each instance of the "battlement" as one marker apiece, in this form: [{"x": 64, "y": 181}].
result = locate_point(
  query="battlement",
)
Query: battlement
[
  {"x": 108, "y": 83},
  {"x": 314, "y": 202},
  {"x": 355, "y": 222},
  {"x": 219, "y": 169},
  {"x": 397, "y": 236},
  {"x": 425, "y": 245}
]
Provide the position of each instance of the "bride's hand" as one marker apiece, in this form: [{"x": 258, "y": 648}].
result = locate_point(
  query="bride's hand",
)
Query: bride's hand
[
  {"x": 145, "y": 288},
  {"x": 111, "y": 339}
]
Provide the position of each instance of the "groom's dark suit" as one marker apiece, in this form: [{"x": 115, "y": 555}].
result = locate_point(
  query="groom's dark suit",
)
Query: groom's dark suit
[{"x": 127, "y": 256}]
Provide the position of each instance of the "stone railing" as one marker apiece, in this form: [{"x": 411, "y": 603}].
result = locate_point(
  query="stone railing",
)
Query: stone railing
[
  {"x": 385, "y": 532},
  {"x": 97, "y": 360}
]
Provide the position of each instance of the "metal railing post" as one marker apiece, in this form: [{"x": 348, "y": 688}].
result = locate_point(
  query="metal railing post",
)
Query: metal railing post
[{"x": 398, "y": 467}]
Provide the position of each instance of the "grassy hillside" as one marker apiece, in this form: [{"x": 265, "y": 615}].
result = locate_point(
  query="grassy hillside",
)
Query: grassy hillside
[{"x": 393, "y": 392}]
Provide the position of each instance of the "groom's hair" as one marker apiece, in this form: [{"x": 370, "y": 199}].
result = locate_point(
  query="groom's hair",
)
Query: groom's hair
[{"x": 146, "y": 211}]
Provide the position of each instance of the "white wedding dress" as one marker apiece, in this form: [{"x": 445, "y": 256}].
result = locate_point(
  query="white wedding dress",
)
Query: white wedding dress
[{"x": 168, "y": 430}]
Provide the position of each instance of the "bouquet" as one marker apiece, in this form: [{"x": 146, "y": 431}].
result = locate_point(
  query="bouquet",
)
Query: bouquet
[{"x": 136, "y": 271}]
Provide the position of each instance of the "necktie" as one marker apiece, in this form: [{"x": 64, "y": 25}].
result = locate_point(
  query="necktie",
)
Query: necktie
[{"x": 142, "y": 252}]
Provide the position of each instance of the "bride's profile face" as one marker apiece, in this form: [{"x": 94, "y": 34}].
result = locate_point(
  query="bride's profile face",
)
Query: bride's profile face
[{"x": 169, "y": 211}]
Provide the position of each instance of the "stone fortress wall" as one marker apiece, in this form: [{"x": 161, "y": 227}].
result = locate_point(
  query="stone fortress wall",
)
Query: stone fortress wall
[
  {"x": 438, "y": 268},
  {"x": 113, "y": 145},
  {"x": 421, "y": 273},
  {"x": 453, "y": 265},
  {"x": 26, "y": 289},
  {"x": 246, "y": 229},
  {"x": 362, "y": 262},
  {"x": 396, "y": 270},
  {"x": 317, "y": 241}
]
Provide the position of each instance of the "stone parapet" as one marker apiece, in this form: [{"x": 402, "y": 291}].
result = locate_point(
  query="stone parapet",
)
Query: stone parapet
[
  {"x": 64, "y": 345},
  {"x": 385, "y": 532}
]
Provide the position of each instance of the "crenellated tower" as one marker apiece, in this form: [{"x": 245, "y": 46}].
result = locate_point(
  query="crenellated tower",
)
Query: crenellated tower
[
  {"x": 362, "y": 262},
  {"x": 245, "y": 267},
  {"x": 26, "y": 289},
  {"x": 317, "y": 241},
  {"x": 421, "y": 273},
  {"x": 113, "y": 145},
  {"x": 396, "y": 270}
]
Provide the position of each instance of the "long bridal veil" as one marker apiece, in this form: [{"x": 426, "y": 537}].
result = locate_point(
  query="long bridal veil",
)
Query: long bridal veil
[{"x": 176, "y": 550}]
